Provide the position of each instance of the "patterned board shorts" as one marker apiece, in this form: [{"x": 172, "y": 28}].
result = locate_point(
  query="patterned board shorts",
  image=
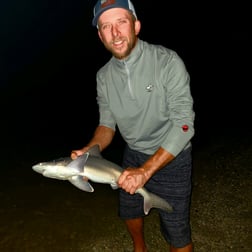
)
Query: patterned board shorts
[{"x": 173, "y": 183}]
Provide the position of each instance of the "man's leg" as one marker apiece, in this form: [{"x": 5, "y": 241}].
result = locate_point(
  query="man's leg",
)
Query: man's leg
[
  {"x": 174, "y": 185},
  {"x": 188, "y": 248},
  {"x": 136, "y": 230}
]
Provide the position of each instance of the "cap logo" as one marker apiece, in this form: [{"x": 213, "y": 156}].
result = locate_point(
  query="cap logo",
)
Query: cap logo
[{"x": 105, "y": 3}]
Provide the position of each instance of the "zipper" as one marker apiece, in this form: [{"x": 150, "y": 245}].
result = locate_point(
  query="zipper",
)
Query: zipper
[{"x": 128, "y": 80}]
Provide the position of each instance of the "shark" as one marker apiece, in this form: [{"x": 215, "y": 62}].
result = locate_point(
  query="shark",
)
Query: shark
[{"x": 91, "y": 166}]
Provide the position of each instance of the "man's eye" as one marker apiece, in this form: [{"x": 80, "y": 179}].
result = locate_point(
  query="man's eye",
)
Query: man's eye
[
  {"x": 106, "y": 27},
  {"x": 123, "y": 21}
]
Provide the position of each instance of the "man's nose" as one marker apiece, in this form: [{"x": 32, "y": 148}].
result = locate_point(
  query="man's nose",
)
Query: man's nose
[{"x": 115, "y": 30}]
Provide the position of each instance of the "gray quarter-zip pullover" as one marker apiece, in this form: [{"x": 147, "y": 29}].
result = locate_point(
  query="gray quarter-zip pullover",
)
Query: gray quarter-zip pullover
[{"x": 147, "y": 95}]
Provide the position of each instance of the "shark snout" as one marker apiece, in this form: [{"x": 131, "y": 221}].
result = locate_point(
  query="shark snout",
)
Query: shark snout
[{"x": 38, "y": 168}]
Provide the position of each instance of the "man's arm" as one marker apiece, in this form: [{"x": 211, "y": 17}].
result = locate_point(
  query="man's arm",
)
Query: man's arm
[
  {"x": 133, "y": 178},
  {"x": 103, "y": 136}
]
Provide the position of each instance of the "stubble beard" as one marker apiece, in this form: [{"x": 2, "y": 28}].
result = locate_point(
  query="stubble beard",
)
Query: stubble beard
[{"x": 126, "y": 49}]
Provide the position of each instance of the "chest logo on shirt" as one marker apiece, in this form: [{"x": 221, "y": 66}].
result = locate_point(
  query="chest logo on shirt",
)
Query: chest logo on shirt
[{"x": 149, "y": 88}]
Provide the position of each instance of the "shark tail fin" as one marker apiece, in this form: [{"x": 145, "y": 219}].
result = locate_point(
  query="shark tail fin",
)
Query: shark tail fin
[{"x": 152, "y": 200}]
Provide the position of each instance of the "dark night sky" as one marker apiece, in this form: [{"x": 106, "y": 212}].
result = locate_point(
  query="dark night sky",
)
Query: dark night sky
[{"x": 50, "y": 54}]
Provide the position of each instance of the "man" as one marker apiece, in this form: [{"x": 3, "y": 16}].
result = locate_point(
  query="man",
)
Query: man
[{"x": 144, "y": 91}]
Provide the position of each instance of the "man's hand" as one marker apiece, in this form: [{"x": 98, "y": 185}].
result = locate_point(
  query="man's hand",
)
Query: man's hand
[
  {"x": 132, "y": 179},
  {"x": 77, "y": 153}
]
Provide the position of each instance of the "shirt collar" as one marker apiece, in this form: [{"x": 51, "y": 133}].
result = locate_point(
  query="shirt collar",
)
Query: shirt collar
[{"x": 134, "y": 55}]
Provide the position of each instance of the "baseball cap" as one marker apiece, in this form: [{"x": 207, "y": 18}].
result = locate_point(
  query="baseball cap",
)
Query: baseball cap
[{"x": 103, "y": 5}]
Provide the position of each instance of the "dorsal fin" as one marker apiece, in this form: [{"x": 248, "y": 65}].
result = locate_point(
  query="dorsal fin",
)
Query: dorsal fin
[
  {"x": 95, "y": 151},
  {"x": 79, "y": 162}
]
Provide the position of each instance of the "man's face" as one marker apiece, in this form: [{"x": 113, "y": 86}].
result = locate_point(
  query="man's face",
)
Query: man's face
[{"x": 118, "y": 31}]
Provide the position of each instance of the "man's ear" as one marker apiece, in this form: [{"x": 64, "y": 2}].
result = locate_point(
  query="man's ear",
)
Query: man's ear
[
  {"x": 100, "y": 36},
  {"x": 137, "y": 27}
]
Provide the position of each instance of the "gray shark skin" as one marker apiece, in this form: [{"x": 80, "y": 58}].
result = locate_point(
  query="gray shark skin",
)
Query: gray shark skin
[{"x": 94, "y": 167}]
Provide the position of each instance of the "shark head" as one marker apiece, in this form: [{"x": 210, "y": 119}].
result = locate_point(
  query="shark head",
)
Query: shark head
[{"x": 66, "y": 169}]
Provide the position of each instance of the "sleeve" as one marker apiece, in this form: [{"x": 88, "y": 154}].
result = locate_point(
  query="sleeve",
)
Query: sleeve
[
  {"x": 176, "y": 81},
  {"x": 105, "y": 115}
]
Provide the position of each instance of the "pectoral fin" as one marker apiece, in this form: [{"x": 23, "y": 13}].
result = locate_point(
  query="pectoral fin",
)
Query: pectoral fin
[
  {"x": 114, "y": 186},
  {"x": 80, "y": 183}
]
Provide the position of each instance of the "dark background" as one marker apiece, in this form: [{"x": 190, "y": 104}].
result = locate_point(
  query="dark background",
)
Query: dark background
[{"x": 49, "y": 55}]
